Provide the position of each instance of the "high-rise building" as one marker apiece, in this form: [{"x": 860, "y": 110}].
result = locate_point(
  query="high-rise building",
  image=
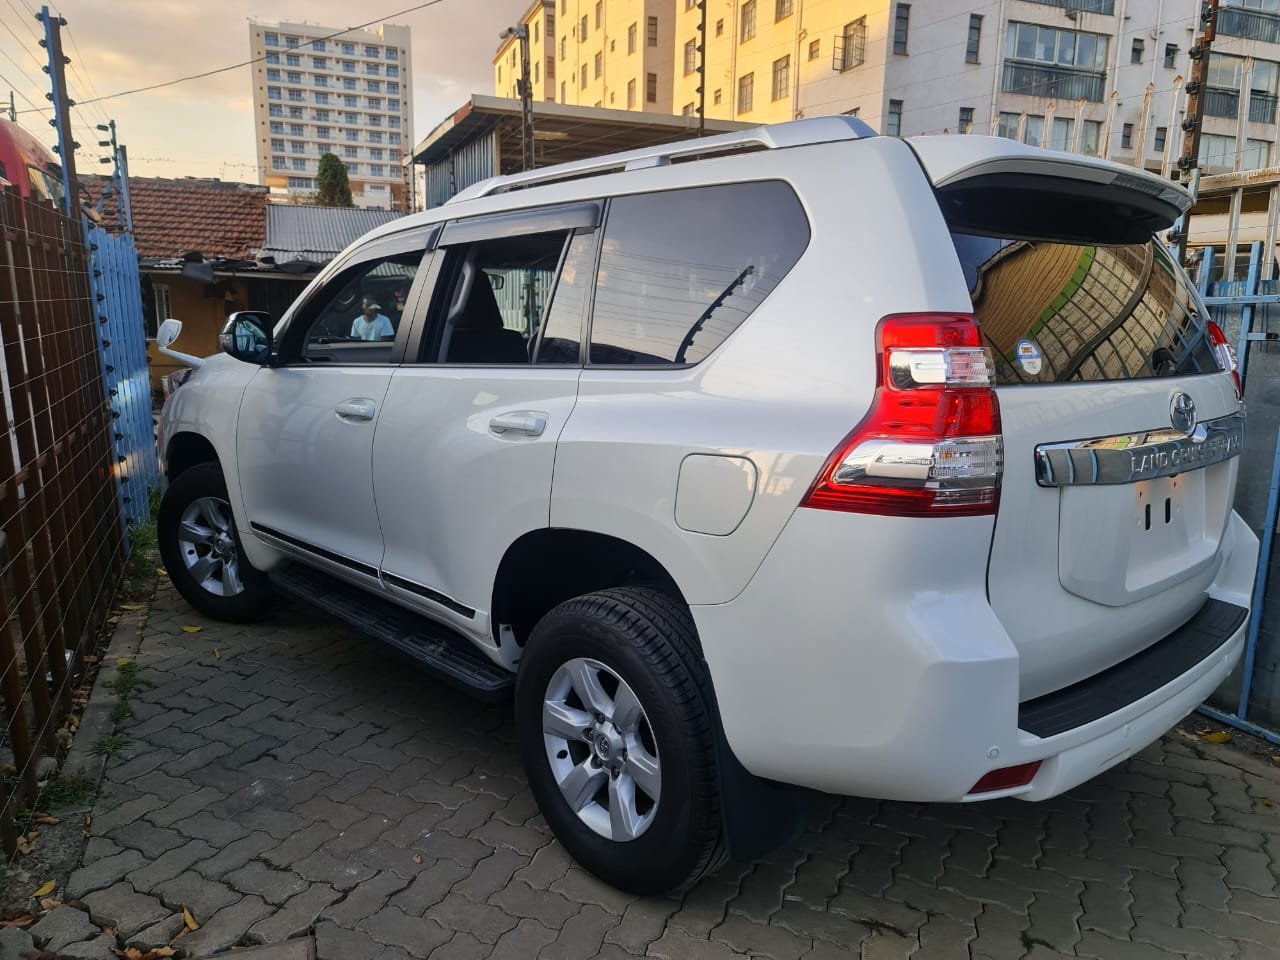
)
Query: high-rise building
[
  {"x": 594, "y": 53},
  {"x": 1092, "y": 76},
  {"x": 318, "y": 90}
]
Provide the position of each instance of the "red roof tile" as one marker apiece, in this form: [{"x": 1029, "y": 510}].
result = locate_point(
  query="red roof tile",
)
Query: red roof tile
[{"x": 174, "y": 217}]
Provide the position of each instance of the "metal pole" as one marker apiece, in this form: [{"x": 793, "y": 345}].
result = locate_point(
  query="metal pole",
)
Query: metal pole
[
  {"x": 1260, "y": 587},
  {"x": 13, "y": 108},
  {"x": 526, "y": 96},
  {"x": 1193, "y": 123},
  {"x": 62, "y": 105},
  {"x": 122, "y": 165}
]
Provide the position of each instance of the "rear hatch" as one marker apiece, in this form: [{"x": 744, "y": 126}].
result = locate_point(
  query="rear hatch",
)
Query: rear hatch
[{"x": 1120, "y": 427}]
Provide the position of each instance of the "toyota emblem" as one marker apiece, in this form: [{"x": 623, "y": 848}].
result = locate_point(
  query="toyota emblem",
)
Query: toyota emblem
[{"x": 1182, "y": 413}]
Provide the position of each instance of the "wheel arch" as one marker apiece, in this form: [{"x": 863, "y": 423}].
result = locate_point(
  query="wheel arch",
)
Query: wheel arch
[{"x": 186, "y": 450}]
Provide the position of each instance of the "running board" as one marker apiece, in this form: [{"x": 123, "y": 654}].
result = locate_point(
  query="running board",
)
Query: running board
[{"x": 438, "y": 649}]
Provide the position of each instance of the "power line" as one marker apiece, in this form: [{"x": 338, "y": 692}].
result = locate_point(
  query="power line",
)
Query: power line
[
  {"x": 84, "y": 79},
  {"x": 14, "y": 87},
  {"x": 247, "y": 63}
]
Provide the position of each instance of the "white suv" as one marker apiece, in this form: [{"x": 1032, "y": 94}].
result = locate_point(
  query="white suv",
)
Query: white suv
[{"x": 793, "y": 457}]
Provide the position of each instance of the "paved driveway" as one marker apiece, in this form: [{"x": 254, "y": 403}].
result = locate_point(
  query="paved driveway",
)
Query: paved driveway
[{"x": 290, "y": 776}]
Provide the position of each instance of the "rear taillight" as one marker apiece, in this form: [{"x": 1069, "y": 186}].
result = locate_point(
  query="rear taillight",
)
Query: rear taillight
[
  {"x": 1224, "y": 353},
  {"x": 930, "y": 446}
]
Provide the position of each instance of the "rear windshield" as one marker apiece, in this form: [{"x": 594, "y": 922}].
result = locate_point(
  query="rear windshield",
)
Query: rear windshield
[{"x": 1058, "y": 312}]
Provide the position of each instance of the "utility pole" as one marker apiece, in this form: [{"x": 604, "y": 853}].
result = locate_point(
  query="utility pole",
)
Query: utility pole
[
  {"x": 1193, "y": 123},
  {"x": 62, "y": 105},
  {"x": 13, "y": 109},
  {"x": 521, "y": 33},
  {"x": 702, "y": 67}
]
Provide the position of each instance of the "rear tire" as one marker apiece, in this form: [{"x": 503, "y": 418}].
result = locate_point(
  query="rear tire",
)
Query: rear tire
[
  {"x": 202, "y": 552},
  {"x": 635, "y": 652}
]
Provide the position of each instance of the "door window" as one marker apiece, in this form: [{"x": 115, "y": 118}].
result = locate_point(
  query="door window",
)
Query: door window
[
  {"x": 356, "y": 317},
  {"x": 495, "y": 295}
]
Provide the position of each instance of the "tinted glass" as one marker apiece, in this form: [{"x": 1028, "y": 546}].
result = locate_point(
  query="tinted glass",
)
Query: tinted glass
[
  {"x": 356, "y": 317},
  {"x": 563, "y": 332},
  {"x": 680, "y": 270},
  {"x": 1057, "y": 312}
]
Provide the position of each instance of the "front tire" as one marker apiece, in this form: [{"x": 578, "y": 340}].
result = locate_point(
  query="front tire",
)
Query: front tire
[
  {"x": 202, "y": 552},
  {"x": 614, "y": 716}
]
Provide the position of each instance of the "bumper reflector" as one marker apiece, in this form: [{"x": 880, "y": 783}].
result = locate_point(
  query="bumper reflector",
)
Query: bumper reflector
[{"x": 1006, "y": 778}]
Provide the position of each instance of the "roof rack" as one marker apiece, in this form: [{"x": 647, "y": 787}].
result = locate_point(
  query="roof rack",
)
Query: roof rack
[{"x": 774, "y": 137}]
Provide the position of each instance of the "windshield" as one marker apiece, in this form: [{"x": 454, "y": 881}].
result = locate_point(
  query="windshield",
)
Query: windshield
[{"x": 1059, "y": 312}]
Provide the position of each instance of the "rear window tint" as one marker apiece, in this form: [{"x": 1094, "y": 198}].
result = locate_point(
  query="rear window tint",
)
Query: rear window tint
[
  {"x": 681, "y": 269},
  {"x": 1060, "y": 312}
]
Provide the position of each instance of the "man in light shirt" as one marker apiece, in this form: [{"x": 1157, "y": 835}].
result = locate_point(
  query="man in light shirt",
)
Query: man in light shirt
[{"x": 371, "y": 325}]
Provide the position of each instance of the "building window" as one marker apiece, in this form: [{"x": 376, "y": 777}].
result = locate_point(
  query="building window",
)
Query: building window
[
  {"x": 351, "y": 152},
  {"x": 392, "y": 53},
  {"x": 273, "y": 58},
  {"x": 598, "y": 64},
  {"x": 319, "y": 63},
  {"x": 370, "y": 51},
  {"x": 393, "y": 138},
  {"x": 1170, "y": 55},
  {"x": 279, "y": 163},
  {"x": 272, "y": 39},
  {"x": 372, "y": 70},
  {"x": 297, "y": 146},
  {"x": 746, "y": 92},
  {"x": 966, "y": 120},
  {"x": 376, "y": 153},
  {"x": 393, "y": 122},
  {"x": 290, "y": 42},
  {"x": 292, "y": 60},
  {"x": 323, "y": 148},
  {"x": 351, "y": 117},
  {"x": 651, "y": 32},
  {"x": 583, "y": 82},
  {"x": 690, "y": 56},
  {"x": 599, "y": 14},
  {"x": 1126, "y": 136},
  {"x": 299, "y": 163},
  {"x": 349, "y": 49},
  {"x": 296, "y": 95},
  {"x": 535, "y": 31},
  {"x": 893, "y": 126},
  {"x": 395, "y": 87},
  {"x": 717, "y": 97},
  {"x": 277, "y": 127},
  {"x": 322, "y": 98},
  {"x": 349, "y": 101},
  {"x": 273, "y": 75},
  {"x": 631, "y": 94},
  {"x": 301, "y": 183},
  {"x": 273, "y": 93},
  {"x": 297, "y": 130},
  {"x": 562, "y": 92},
  {"x": 850, "y": 45},
  {"x": 394, "y": 105},
  {"x": 814, "y": 49},
  {"x": 317, "y": 46},
  {"x": 348, "y": 83},
  {"x": 901, "y": 19},
  {"x": 295, "y": 113},
  {"x": 975, "y": 38},
  {"x": 373, "y": 120},
  {"x": 782, "y": 9},
  {"x": 686, "y": 110},
  {"x": 1162, "y": 135},
  {"x": 1091, "y": 139},
  {"x": 1135, "y": 53},
  {"x": 1055, "y": 64},
  {"x": 748, "y": 22},
  {"x": 582, "y": 29},
  {"x": 631, "y": 39},
  {"x": 293, "y": 76},
  {"x": 720, "y": 27},
  {"x": 1220, "y": 152},
  {"x": 353, "y": 168},
  {"x": 781, "y": 77},
  {"x": 373, "y": 86},
  {"x": 373, "y": 103},
  {"x": 377, "y": 170},
  {"x": 564, "y": 47},
  {"x": 324, "y": 133},
  {"x": 375, "y": 136},
  {"x": 277, "y": 145},
  {"x": 651, "y": 88},
  {"x": 348, "y": 66}
]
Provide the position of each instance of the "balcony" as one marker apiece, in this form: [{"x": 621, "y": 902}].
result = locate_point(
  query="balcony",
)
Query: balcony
[
  {"x": 1105, "y": 7},
  {"x": 1224, "y": 102},
  {"x": 1057, "y": 83},
  {"x": 1249, "y": 24}
]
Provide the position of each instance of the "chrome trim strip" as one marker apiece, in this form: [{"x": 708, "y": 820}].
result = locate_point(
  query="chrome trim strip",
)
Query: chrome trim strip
[{"x": 1130, "y": 457}]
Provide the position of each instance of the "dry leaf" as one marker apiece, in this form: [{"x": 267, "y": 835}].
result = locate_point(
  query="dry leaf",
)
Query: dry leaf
[
  {"x": 1216, "y": 736},
  {"x": 50, "y": 903},
  {"x": 25, "y": 845},
  {"x": 123, "y": 661},
  {"x": 129, "y": 953},
  {"x": 191, "y": 923},
  {"x": 217, "y": 654},
  {"x": 131, "y": 606},
  {"x": 160, "y": 953},
  {"x": 417, "y": 858},
  {"x": 161, "y": 572},
  {"x": 47, "y": 820},
  {"x": 89, "y": 659},
  {"x": 192, "y": 629},
  {"x": 88, "y": 820},
  {"x": 26, "y": 921},
  {"x": 45, "y": 889}
]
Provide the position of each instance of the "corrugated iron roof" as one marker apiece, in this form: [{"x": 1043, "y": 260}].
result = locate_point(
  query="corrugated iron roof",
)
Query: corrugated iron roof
[{"x": 318, "y": 234}]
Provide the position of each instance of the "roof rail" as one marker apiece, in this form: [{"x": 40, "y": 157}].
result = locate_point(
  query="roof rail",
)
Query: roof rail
[{"x": 776, "y": 136}]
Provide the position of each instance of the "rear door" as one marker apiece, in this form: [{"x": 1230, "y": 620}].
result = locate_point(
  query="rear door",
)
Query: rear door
[{"x": 1120, "y": 430}]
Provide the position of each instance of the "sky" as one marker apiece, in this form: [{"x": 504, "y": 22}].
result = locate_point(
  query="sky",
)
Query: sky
[{"x": 204, "y": 128}]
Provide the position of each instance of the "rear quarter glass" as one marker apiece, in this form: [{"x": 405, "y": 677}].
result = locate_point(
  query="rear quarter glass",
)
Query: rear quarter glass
[{"x": 1056, "y": 312}]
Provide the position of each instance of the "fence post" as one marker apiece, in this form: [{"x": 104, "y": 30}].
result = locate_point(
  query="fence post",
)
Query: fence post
[{"x": 1252, "y": 285}]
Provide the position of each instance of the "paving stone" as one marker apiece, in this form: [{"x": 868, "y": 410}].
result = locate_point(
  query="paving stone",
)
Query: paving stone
[
  {"x": 322, "y": 867},
  {"x": 581, "y": 936},
  {"x": 1100, "y": 947},
  {"x": 62, "y": 926},
  {"x": 365, "y": 899},
  {"x": 273, "y": 886},
  {"x": 159, "y": 934},
  {"x": 99, "y": 948},
  {"x": 14, "y": 942},
  {"x": 187, "y": 805},
  {"x": 147, "y": 838},
  {"x": 1181, "y": 940},
  {"x": 393, "y": 927},
  {"x": 524, "y": 941},
  {"x": 886, "y": 945},
  {"x": 226, "y": 927},
  {"x": 217, "y": 831},
  {"x": 149, "y": 875},
  {"x": 461, "y": 913},
  {"x": 296, "y": 916},
  {"x": 642, "y": 923},
  {"x": 300, "y": 845},
  {"x": 234, "y": 855},
  {"x": 337, "y": 943},
  {"x": 678, "y": 945},
  {"x": 547, "y": 907},
  {"x": 102, "y": 873},
  {"x": 111, "y": 818},
  {"x": 203, "y": 897},
  {"x": 822, "y": 925},
  {"x": 122, "y": 907},
  {"x": 491, "y": 874},
  {"x": 761, "y": 940},
  {"x": 429, "y": 887}
]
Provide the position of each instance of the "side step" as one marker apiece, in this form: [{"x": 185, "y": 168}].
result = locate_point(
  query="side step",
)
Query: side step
[{"x": 444, "y": 653}]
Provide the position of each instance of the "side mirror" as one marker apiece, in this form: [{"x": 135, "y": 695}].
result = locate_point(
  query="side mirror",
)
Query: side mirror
[
  {"x": 169, "y": 332},
  {"x": 247, "y": 337}
]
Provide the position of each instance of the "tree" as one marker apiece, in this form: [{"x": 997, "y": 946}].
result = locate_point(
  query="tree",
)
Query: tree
[{"x": 332, "y": 187}]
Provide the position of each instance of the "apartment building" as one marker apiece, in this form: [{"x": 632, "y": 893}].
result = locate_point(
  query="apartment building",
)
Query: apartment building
[
  {"x": 1094, "y": 76},
  {"x": 350, "y": 95},
  {"x": 595, "y": 53}
]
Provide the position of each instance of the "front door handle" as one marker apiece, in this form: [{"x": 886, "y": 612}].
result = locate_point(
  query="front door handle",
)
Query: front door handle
[
  {"x": 356, "y": 409},
  {"x": 527, "y": 422}
]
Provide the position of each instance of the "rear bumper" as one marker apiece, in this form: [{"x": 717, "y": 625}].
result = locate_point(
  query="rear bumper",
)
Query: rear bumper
[{"x": 839, "y": 669}]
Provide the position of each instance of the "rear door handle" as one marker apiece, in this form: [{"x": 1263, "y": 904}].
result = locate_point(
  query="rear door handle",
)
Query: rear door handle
[
  {"x": 527, "y": 422},
  {"x": 356, "y": 409}
]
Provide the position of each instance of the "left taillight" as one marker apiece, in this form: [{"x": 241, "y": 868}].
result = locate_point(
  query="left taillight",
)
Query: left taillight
[
  {"x": 931, "y": 444},
  {"x": 1225, "y": 354}
]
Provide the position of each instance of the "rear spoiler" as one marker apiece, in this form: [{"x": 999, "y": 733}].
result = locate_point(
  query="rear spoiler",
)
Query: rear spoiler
[{"x": 991, "y": 185}]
